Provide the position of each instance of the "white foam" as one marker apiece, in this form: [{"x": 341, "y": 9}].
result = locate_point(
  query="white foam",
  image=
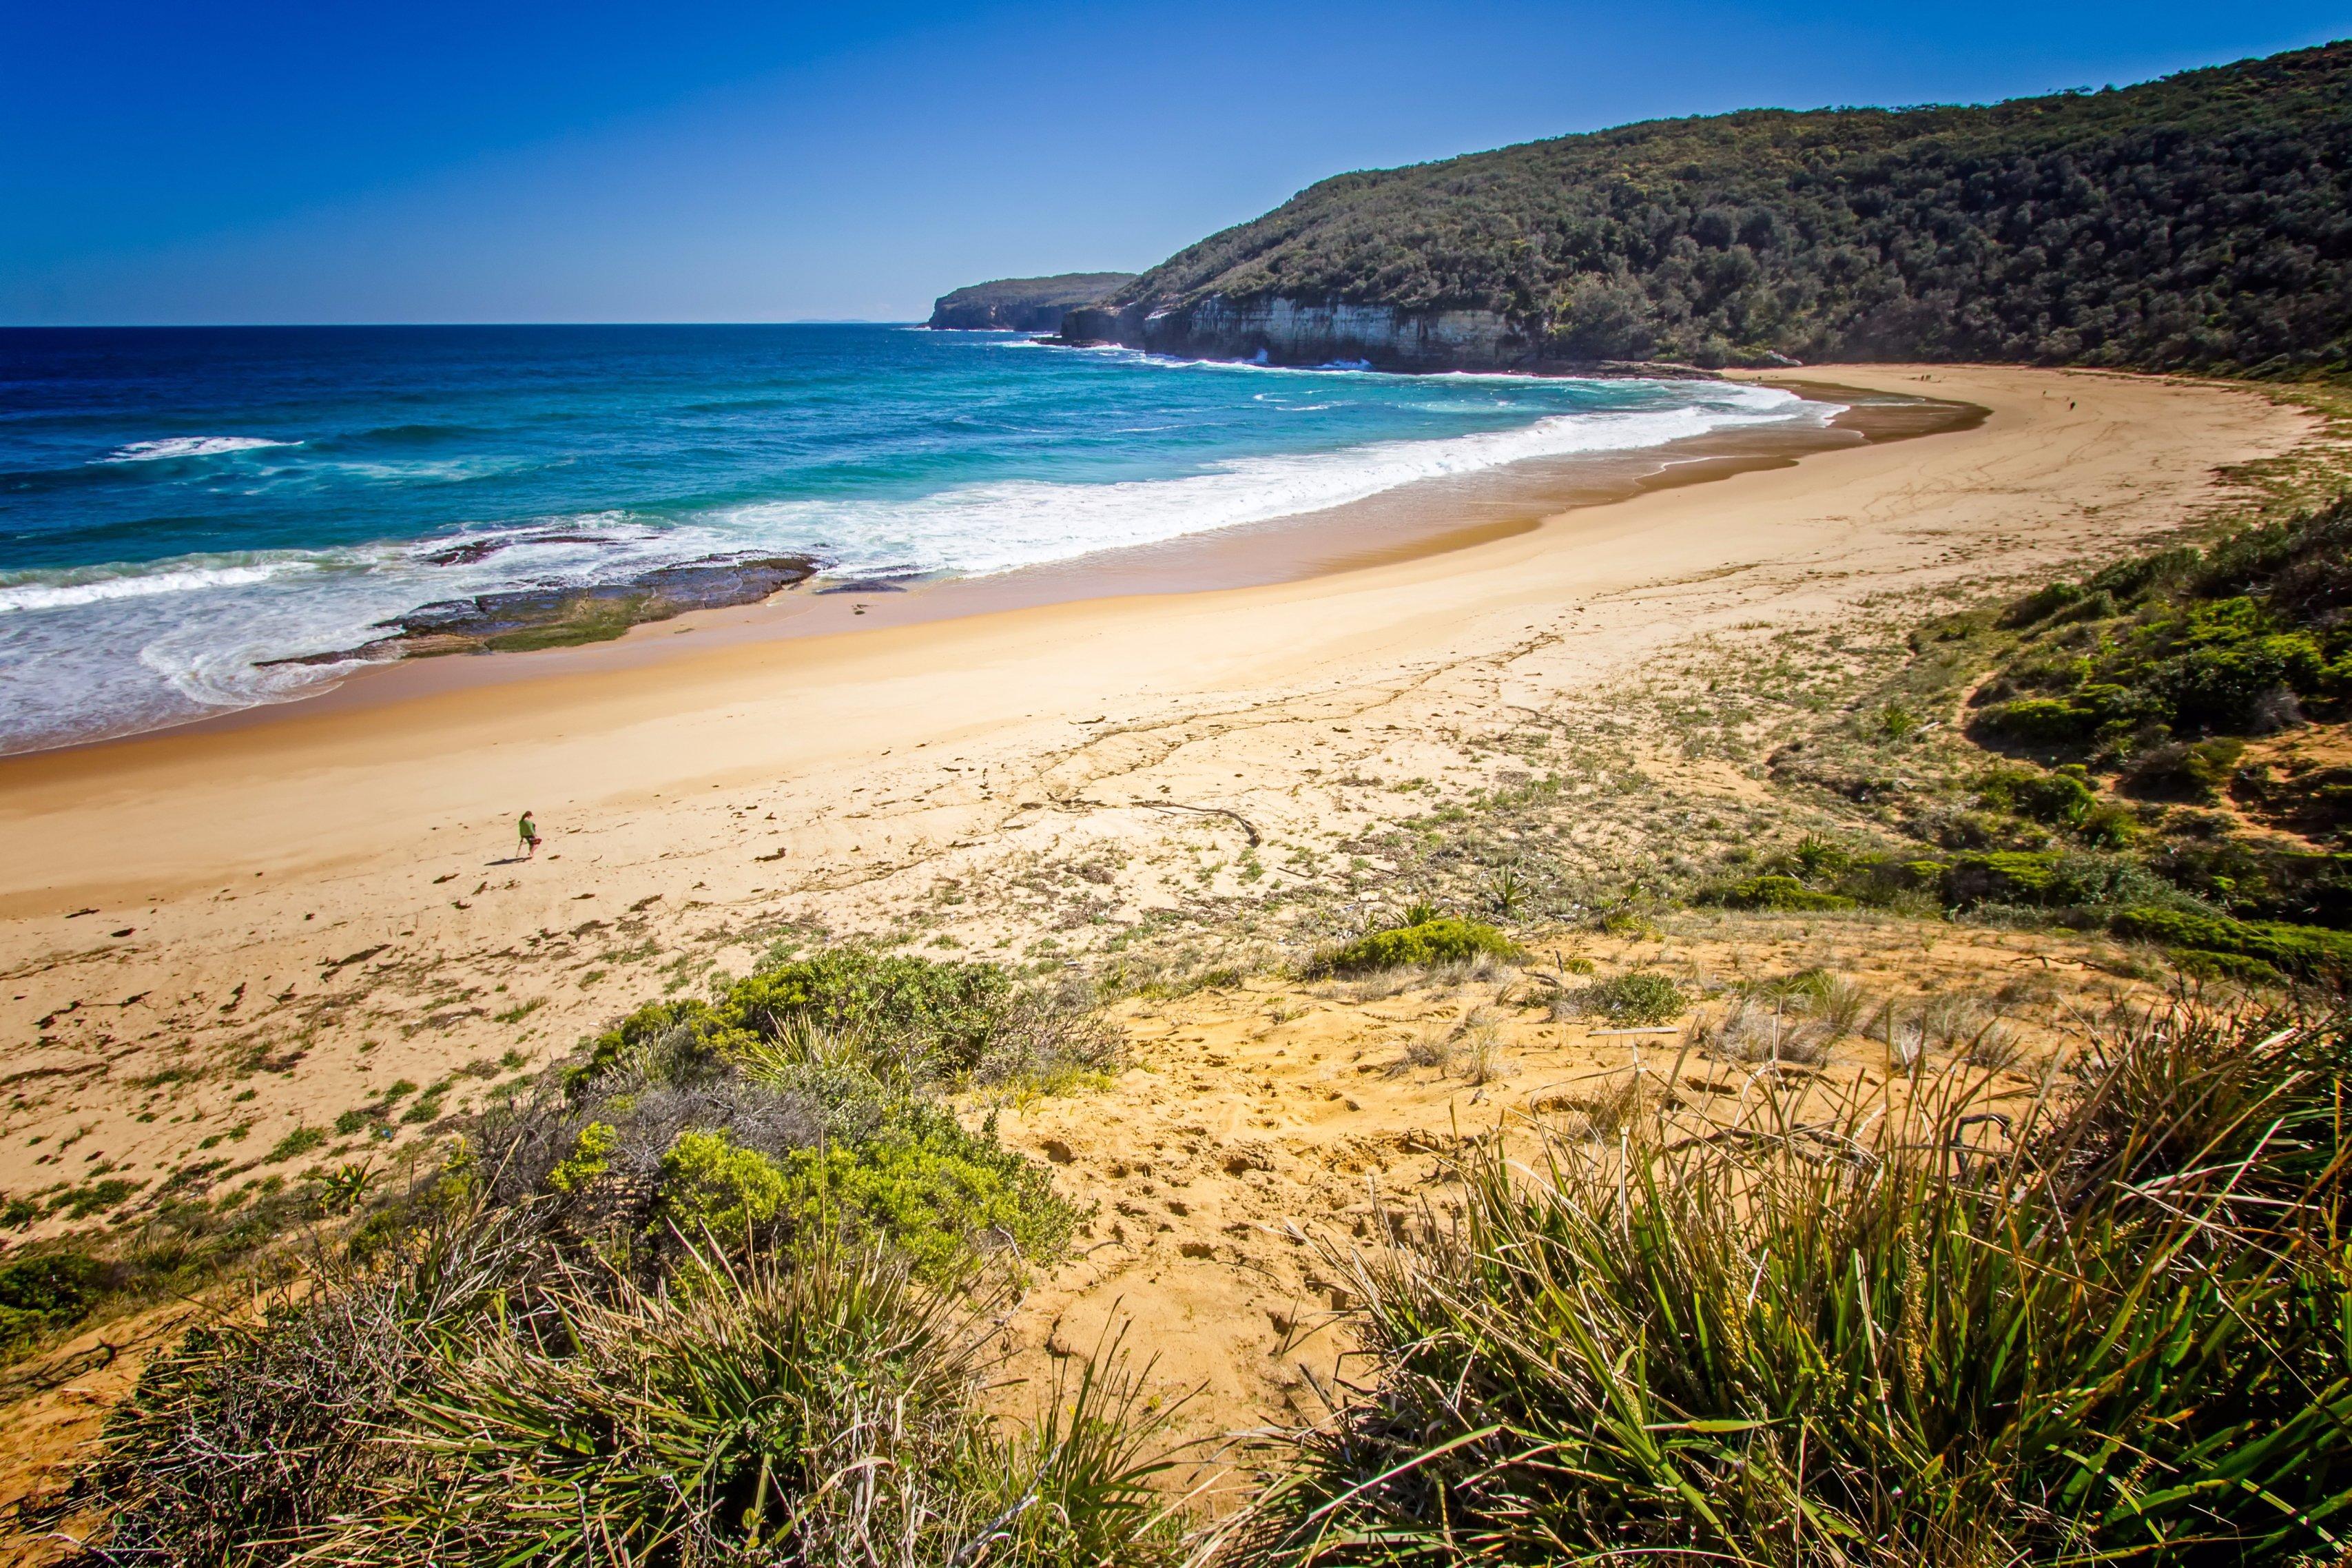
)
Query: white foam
[
  {"x": 982, "y": 529},
  {"x": 191, "y": 446},
  {"x": 136, "y": 584}
]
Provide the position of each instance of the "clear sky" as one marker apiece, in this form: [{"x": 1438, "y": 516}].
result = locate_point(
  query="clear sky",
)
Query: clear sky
[{"x": 209, "y": 161}]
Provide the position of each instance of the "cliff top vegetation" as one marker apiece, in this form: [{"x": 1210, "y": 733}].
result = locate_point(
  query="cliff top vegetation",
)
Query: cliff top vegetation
[
  {"x": 1004, "y": 298},
  {"x": 2196, "y": 221}
]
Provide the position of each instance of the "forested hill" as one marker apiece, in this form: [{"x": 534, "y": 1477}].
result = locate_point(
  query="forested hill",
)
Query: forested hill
[{"x": 2198, "y": 221}]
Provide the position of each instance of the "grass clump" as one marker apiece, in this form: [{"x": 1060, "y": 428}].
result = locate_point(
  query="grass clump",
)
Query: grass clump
[
  {"x": 299, "y": 1141},
  {"x": 1635, "y": 1000},
  {"x": 2109, "y": 1328},
  {"x": 1439, "y": 939},
  {"x": 820, "y": 1412}
]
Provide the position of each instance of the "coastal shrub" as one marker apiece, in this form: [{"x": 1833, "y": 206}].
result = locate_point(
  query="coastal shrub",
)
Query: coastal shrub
[
  {"x": 2200, "y": 964},
  {"x": 2114, "y": 1334},
  {"x": 2198, "y": 770},
  {"x": 2062, "y": 798},
  {"x": 39, "y": 1296},
  {"x": 712, "y": 1158},
  {"x": 1440, "y": 939},
  {"x": 2056, "y": 879},
  {"x": 2130, "y": 578},
  {"x": 2042, "y": 603},
  {"x": 923, "y": 1184},
  {"x": 2312, "y": 952},
  {"x": 1635, "y": 1000},
  {"x": 913, "y": 1020}
]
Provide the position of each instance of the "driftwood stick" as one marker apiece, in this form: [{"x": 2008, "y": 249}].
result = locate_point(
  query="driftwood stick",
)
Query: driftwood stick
[{"x": 1246, "y": 826}]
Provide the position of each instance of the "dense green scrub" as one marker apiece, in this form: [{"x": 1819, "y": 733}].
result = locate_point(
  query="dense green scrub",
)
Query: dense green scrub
[
  {"x": 2118, "y": 713},
  {"x": 2201, "y": 220}
]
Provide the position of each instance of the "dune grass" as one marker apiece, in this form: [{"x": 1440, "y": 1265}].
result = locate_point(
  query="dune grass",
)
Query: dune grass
[{"x": 2120, "y": 1331}]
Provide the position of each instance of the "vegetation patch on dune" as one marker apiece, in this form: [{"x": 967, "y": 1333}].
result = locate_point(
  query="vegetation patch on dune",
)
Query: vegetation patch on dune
[{"x": 1440, "y": 938}]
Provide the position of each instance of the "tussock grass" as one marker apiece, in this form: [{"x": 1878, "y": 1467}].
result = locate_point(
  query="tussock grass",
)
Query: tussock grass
[
  {"x": 1635, "y": 1000},
  {"x": 2111, "y": 1326}
]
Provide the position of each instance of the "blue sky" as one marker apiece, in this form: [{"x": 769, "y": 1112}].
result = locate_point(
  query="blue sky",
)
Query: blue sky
[{"x": 611, "y": 160}]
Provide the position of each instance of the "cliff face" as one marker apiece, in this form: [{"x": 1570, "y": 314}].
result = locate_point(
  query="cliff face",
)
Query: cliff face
[
  {"x": 1022, "y": 304},
  {"x": 1292, "y": 332}
]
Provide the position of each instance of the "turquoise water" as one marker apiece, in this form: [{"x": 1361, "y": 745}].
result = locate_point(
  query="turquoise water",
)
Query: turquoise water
[{"x": 179, "y": 507}]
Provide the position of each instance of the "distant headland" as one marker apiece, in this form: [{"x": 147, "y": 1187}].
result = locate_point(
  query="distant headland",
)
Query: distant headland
[{"x": 1022, "y": 304}]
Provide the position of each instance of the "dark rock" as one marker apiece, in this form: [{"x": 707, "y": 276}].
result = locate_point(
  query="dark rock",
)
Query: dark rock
[
  {"x": 466, "y": 553},
  {"x": 558, "y": 616}
]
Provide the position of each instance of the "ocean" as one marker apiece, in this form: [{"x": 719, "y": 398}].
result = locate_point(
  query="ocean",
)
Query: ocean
[{"x": 179, "y": 508}]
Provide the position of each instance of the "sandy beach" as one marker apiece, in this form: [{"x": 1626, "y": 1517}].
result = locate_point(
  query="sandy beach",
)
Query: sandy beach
[{"x": 328, "y": 894}]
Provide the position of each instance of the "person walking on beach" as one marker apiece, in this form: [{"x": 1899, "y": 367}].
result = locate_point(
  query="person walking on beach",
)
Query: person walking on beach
[{"x": 528, "y": 832}]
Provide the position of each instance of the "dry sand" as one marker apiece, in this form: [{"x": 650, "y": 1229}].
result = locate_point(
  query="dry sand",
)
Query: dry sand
[{"x": 291, "y": 914}]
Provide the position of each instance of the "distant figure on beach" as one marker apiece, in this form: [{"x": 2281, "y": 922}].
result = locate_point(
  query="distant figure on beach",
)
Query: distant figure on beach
[{"x": 527, "y": 832}]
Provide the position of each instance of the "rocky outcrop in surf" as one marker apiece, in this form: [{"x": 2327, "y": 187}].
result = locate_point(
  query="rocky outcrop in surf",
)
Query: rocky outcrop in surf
[
  {"x": 1022, "y": 304},
  {"x": 560, "y": 616}
]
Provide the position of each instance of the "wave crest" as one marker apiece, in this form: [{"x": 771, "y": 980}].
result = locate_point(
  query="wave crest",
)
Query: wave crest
[{"x": 173, "y": 446}]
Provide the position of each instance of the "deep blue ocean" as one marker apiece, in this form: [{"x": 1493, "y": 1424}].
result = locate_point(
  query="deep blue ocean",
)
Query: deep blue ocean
[{"x": 178, "y": 506}]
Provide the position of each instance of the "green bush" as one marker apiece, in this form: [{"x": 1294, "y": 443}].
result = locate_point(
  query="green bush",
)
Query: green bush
[
  {"x": 2212, "y": 665},
  {"x": 2062, "y": 798},
  {"x": 2042, "y": 719},
  {"x": 2200, "y": 964},
  {"x": 2198, "y": 770},
  {"x": 2312, "y": 952},
  {"x": 1443, "y": 940},
  {"x": 912, "y": 1019},
  {"x": 2000, "y": 876},
  {"x": 922, "y": 1185},
  {"x": 2129, "y": 579},
  {"x": 952, "y": 1010},
  {"x": 2071, "y": 879},
  {"x": 2042, "y": 603},
  {"x": 41, "y": 1295},
  {"x": 1635, "y": 1000}
]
